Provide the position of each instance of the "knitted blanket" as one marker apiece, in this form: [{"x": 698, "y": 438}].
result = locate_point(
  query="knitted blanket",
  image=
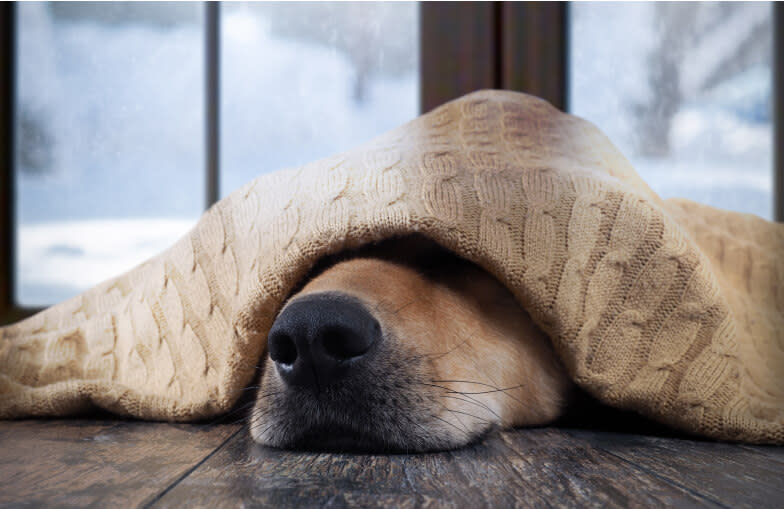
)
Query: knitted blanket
[{"x": 666, "y": 307}]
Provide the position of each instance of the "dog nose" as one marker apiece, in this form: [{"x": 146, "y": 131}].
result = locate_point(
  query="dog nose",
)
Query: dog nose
[{"x": 318, "y": 339}]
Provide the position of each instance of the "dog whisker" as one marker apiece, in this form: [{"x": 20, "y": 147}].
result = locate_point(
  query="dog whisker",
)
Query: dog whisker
[
  {"x": 465, "y": 382},
  {"x": 478, "y": 403},
  {"x": 443, "y": 354},
  {"x": 451, "y": 424},
  {"x": 412, "y": 421},
  {"x": 235, "y": 411},
  {"x": 457, "y": 417},
  {"x": 399, "y": 324},
  {"x": 262, "y": 395},
  {"x": 504, "y": 389},
  {"x": 469, "y": 398},
  {"x": 256, "y": 419},
  {"x": 265, "y": 430},
  {"x": 492, "y": 387},
  {"x": 470, "y": 415}
]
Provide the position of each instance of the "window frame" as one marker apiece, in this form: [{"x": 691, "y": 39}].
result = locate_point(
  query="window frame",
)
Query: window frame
[
  {"x": 212, "y": 74},
  {"x": 465, "y": 46},
  {"x": 484, "y": 38},
  {"x": 778, "y": 111},
  {"x": 9, "y": 311}
]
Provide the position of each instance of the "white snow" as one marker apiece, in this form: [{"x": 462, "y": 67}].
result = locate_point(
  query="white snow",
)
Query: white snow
[
  {"x": 62, "y": 257},
  {"x": 124, "y": 105},
  {"x": 718, "y": 156}
]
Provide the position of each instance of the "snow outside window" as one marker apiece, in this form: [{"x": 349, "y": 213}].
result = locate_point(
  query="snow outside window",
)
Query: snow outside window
[
  {"x": 684, "y": 90},
  {"x": 110, "y": 117}
]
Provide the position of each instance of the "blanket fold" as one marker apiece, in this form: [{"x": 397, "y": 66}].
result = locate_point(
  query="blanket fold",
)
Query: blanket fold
[{"x": 666, "y": 307}]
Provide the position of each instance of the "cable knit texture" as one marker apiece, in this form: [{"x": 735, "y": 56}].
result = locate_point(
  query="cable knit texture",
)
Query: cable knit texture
[{"x": 666, "y": 307}]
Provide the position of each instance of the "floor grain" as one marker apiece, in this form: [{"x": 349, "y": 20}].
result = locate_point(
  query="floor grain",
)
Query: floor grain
[
  {"x": 78, "y": 463},
  {"x": 532, "y": 468},
  {"x": 738, "y": 476},
  {"x": 114, "y": 463}
]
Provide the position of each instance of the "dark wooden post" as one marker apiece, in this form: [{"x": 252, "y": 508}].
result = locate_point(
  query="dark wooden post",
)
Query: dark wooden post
[
  {"x": 533, "y": 49},
  {"x": 518, "y": 46},
  {"x": 778, "y": 111},
  {"x": 7, "y": 100},
  {"x": 457, "y": 50}
]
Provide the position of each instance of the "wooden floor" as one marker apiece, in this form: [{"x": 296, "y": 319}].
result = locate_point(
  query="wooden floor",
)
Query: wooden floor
[{"x": 110, "y": 463}]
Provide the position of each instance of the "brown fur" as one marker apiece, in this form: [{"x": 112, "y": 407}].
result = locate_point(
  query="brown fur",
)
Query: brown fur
[{"x": 472, "y": 359}]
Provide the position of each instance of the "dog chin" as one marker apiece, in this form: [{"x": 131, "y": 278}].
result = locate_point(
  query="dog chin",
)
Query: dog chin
[
  {"x": 337, "y": 438},
  {"x": 345, "y": 439},
  {"x": 371, "y": 412},
  {"x": 372, "y": 355}
]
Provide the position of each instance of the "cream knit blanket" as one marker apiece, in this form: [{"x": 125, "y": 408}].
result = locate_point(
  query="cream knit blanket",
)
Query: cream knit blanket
[{"x": 666, "y": 307}]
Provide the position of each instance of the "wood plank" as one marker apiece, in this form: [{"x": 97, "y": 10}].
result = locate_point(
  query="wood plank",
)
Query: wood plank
[
  {"x": 771, "y": 452},
  {"x": 109, "y": 463},
  {"x": 586, "y": 476},
  {"x": 731, "y": 474},
  {"x": 522, "y": 468}
]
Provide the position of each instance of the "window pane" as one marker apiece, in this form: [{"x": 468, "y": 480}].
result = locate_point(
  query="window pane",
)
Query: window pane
[
  {"x": 110, "y": 139},
  {"x": 684, "y": 90},
  {"x": 301, "y": 81}
]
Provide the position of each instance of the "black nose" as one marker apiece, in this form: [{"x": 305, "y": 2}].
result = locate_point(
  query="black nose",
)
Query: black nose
[{"x": 320, "y": 338}]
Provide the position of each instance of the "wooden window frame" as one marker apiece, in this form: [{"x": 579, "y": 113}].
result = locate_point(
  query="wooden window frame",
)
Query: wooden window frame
[
  {"x": 9, "y": 311},
  {"x": 464, "y": 46}
]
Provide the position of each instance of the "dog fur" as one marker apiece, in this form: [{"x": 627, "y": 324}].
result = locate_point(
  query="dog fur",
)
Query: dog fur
[{"x": 458, "y": 357}]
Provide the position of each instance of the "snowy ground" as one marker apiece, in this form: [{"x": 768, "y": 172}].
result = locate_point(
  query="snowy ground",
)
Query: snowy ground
[
  {"x": 63, "y": 257},
  {"x": 128, "y": 139},
  {"x": 128, "y": 178}
]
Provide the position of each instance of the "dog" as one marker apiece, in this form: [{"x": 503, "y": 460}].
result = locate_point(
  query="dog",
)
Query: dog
[{"x": 403, "y": 347}]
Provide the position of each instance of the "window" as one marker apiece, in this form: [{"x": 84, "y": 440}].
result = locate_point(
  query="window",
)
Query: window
[
  {"x": 684, "y": 90},
  {"x": 369, "y": 64},
  {"x": 111, "y": 120},
  {"x": 302, "y": 81}
]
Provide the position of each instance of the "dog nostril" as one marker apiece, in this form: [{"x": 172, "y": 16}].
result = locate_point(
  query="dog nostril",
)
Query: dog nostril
[
  {"x": 344, "y": 344},
  {"x": 318, "y": 339},
  {"x": 282, "y": 349}
]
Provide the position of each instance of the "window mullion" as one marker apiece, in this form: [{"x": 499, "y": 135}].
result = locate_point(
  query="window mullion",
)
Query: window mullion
[
  {"x": 7, "y": 100},
  {"x": 212, "y": 97},
  {"x": 778, "y": 112},
  {"x": 457, "y": 50},
  {"x": 533, "y": 46}
]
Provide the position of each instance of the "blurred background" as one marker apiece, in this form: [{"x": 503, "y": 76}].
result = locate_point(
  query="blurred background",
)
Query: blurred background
[
  {"x": 109, "y": 154},
  {"x": 684, "y": 90}
]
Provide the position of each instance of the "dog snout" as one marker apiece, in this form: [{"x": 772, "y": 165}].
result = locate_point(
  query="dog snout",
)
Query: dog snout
[{"x": 319, "y": 339}]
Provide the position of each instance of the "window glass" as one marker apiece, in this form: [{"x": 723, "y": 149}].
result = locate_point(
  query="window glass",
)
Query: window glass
[
  {"x": 301, "y": 81},
  {"x": 684, "y": 91},
  {"x": 111, "y": 117},
  {"x": 109, "y": 150}
]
